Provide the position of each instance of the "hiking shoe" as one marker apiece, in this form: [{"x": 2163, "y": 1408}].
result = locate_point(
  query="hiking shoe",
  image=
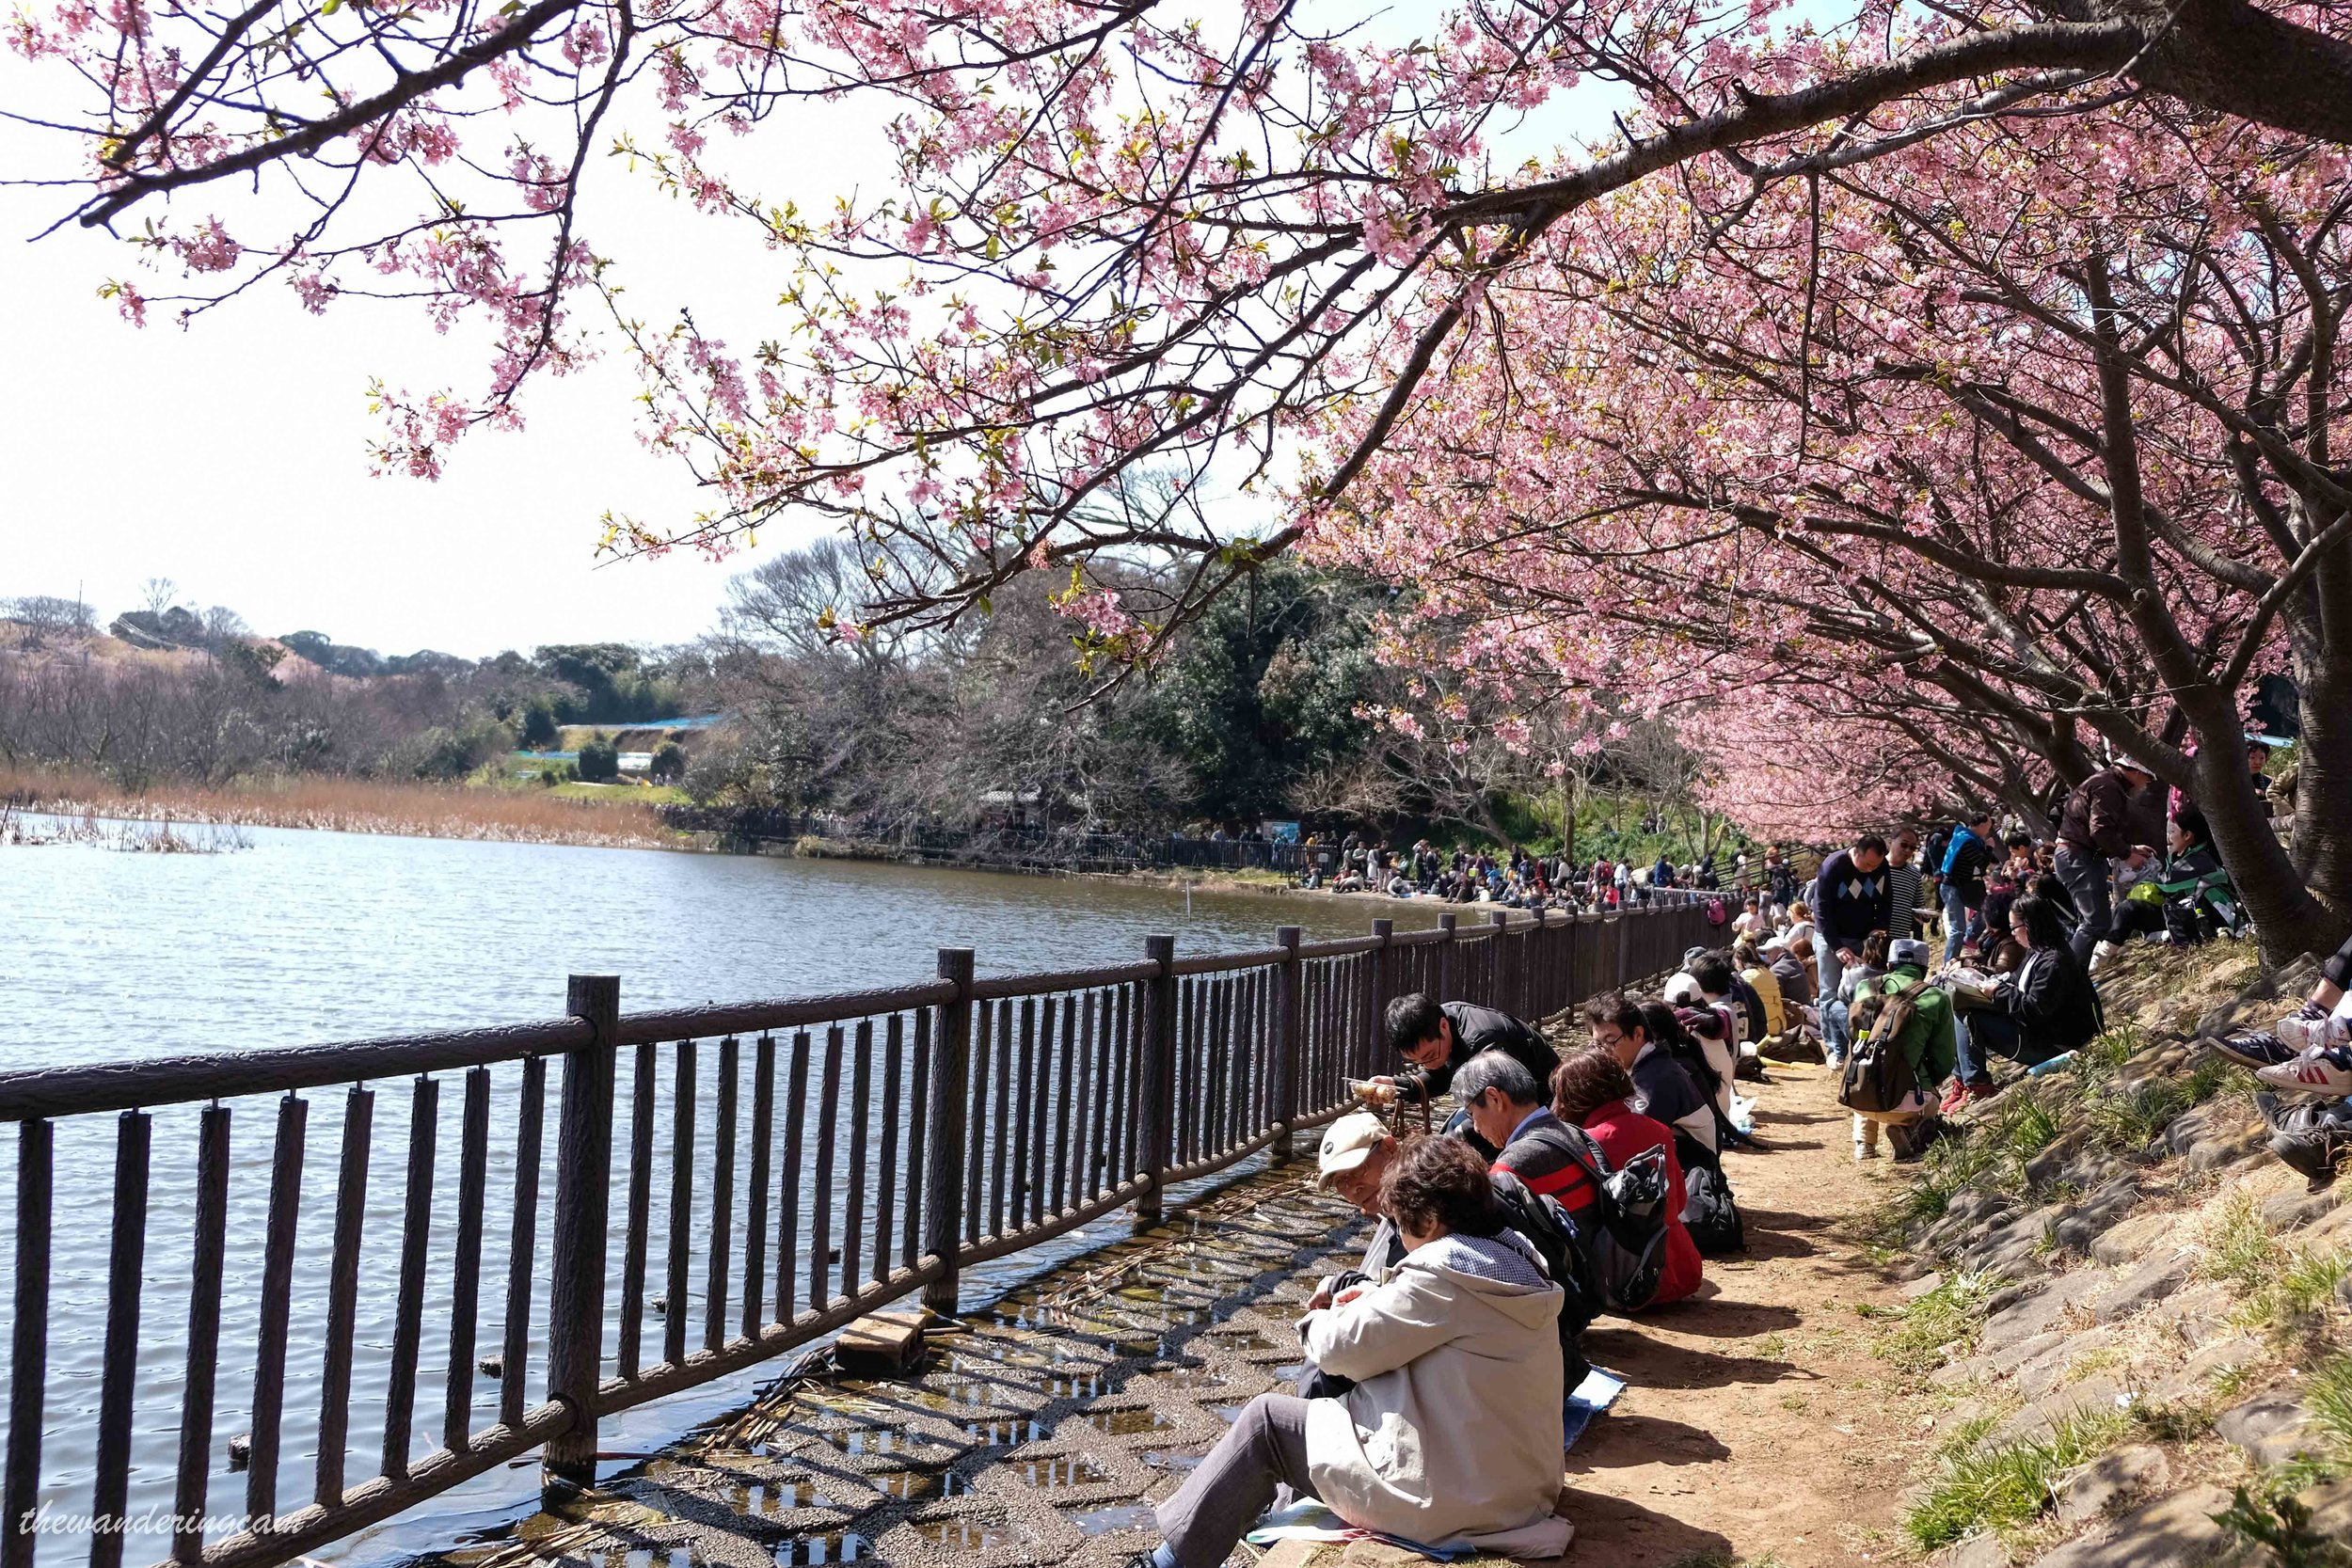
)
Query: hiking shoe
[
  {"x": 2314, "y": 1140},
  {"x": 2254, "y": 1049},
  {"x": 2325, "y": 1071}
]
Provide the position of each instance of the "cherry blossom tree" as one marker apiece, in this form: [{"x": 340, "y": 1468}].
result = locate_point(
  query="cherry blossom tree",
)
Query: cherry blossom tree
[
  {"x": 1995, "y": 343},
  {"x": 2039, "y": 416}
]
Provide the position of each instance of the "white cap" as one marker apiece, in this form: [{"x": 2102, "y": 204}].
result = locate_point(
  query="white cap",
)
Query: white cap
[
  {"x": 1907, "y": 950},
  {"x": 1347, "y": 1143}
]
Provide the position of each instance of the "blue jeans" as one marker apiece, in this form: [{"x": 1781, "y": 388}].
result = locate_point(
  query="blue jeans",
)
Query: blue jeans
[
  {"x": 1832, "y": 971},
  {"x": 1956, "y": 918},
  {"x": 1979, "y": 1034}
]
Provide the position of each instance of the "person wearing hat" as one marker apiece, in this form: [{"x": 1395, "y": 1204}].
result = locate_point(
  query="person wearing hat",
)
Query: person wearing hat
[
  {"x": 2094, "y": 831},
  {"x": 1354, "y": 1155},
  {"x": 1924, "y": 1036}
]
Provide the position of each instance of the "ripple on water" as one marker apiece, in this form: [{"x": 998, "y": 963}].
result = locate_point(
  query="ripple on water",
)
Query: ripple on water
[
  {"x": 1117, "y": 1517},
  {"x": 832, "y": 1547},
  {"x": 971, "y": 1535},
  {"x": 1062, "y": 1472},
  {"x": 1125, "y": 1423}
]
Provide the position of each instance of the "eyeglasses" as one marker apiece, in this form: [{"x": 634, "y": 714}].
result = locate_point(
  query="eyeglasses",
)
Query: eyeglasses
[{"x": 1609, "y": 1040}]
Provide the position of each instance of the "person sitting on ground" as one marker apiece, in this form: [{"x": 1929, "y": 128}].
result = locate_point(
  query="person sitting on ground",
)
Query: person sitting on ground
[
  {"x": 1921, "y": 1027},
  {"x": 2186, "y": 898},
  {"x": 2310, "y": 1049},
  {"x": 1591, "y": 1090},
  {"x": 1505, "y": 1104},
  {"x": 1766, "y": 985},
  {"x": 1788, "y": 967},
  {"x": 1751, "y": 922},
  {"x": 1357, "y": 1151},
  {"x": 1436, "y": 1039},
  {"x": 2048, "y": 1007},
  {"x": 1449, "y": 1436},
  {"x": 1869, "y": 965},
  {"x": 1667, "y": 1092},
  {"x": 1722, "y": 984}
]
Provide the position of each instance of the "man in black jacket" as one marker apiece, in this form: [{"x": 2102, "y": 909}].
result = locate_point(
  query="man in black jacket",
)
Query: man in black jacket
[
  {"x": 1852, "y": 897},
  {"x": 1438, "y": 1038},
  {"x": 2094, "y": 829}
]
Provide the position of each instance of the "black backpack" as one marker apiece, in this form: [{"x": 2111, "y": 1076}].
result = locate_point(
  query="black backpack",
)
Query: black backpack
[
  {"x": 1708, "y": 1213},
  {"x": 1622, "y": 1238},
  {"x": 1552, "y": 1231}
]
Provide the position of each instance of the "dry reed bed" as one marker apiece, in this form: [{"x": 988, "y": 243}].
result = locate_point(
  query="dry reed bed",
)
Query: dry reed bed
[{"x": 350, "y": 806}]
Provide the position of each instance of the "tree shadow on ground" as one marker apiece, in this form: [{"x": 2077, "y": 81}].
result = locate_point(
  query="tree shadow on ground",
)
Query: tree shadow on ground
[{"x": 1612, "y": 1532}]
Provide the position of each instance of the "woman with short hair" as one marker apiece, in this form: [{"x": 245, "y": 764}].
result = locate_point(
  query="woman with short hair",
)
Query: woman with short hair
[
  {"x": 1451, "y": 1436},
  {"x": 1593, "y": 1090}
]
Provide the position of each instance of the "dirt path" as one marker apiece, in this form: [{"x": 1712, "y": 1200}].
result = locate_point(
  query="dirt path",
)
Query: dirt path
[{"x": 1758, "y": 1423}]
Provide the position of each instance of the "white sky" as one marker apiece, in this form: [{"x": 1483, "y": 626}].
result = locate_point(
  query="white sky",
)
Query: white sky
[{"x": 230, "y": 457}]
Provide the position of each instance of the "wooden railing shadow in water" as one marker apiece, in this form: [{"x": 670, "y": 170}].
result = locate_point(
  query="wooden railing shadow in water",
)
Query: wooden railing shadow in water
[{"x": 752, "y": 1176}]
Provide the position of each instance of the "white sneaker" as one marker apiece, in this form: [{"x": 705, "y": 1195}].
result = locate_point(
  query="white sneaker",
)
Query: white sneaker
[
  {"x": 2303, "y": 1032},
  {"x": 1862, "y": 1151},
  {"x": 2326, "y": 1070}
]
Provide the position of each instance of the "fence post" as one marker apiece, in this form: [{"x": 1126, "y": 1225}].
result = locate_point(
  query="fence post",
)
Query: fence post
[
  {"x": 1158, "y": 1073},
  {"x": 1503, "y": 1000},
  {"x": 1381, "y": 984},
  {"x": 1289, "y": 1039},
  {"x": 583, "y": 1174},
  {"x": 944, "y": 1149},
  {"x": 1447, "y": 991},
  {"x": 1624, "y": 935}
]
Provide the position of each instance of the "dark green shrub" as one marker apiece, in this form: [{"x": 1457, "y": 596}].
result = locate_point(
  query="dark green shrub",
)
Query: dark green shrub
[
  {"x": 600, "y": 762},
  {"x": 669, "y": 763}
]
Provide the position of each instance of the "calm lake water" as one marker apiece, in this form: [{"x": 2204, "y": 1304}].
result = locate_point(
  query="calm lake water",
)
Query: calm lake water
[{"x": 309, "y": 937}]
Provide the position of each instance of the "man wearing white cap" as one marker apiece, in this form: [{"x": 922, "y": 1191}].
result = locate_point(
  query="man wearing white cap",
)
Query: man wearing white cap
[{"x": 1355, "y": 1152}]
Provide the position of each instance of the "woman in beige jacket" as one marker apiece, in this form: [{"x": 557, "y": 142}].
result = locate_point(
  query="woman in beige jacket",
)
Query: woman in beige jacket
[{"x": 1451, "y": 1436}]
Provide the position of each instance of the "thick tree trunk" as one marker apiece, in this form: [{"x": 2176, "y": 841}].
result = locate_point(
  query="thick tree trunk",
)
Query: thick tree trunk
[
  {"x": 2323, "y": 774},
  {"x": 2288, "y": 920}
]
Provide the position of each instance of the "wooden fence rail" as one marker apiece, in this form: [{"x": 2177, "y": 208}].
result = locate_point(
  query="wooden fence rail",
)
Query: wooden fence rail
[{"x": 729, "y": 1183}]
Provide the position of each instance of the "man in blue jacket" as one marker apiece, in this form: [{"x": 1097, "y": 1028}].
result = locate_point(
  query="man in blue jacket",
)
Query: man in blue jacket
[
  {"x": 1852, "y": 897},
  {"x": 1968, "y": 857}
]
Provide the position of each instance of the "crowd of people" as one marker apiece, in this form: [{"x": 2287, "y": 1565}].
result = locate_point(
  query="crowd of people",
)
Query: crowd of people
[
  {"x": 1438, "y": 1370},
  {"x": 1515, "y": 878}
]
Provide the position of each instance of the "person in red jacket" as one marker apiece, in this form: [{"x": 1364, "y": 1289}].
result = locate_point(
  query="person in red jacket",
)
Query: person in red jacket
[{"x": 1594, "y": 1091}]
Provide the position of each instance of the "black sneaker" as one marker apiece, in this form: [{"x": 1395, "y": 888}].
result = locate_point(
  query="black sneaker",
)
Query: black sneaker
[
  {"x": 2314, "y": 1140},
  {"x": 2256, "y": 1049}
]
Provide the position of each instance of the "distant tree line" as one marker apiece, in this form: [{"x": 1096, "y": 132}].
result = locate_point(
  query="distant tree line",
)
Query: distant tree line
[
  {"x": 1275, "y": 705},
  {"x": 196, "y": 696}
]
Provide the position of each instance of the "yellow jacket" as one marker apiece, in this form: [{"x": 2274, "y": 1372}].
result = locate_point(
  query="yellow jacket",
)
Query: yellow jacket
[{"x": 1768, "y": 989}]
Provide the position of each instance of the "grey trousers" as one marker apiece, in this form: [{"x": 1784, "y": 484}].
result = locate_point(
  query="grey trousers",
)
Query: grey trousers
[
  {"x": 1218, "y": 1502},
  {"x": 2087, "y": 882}
]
